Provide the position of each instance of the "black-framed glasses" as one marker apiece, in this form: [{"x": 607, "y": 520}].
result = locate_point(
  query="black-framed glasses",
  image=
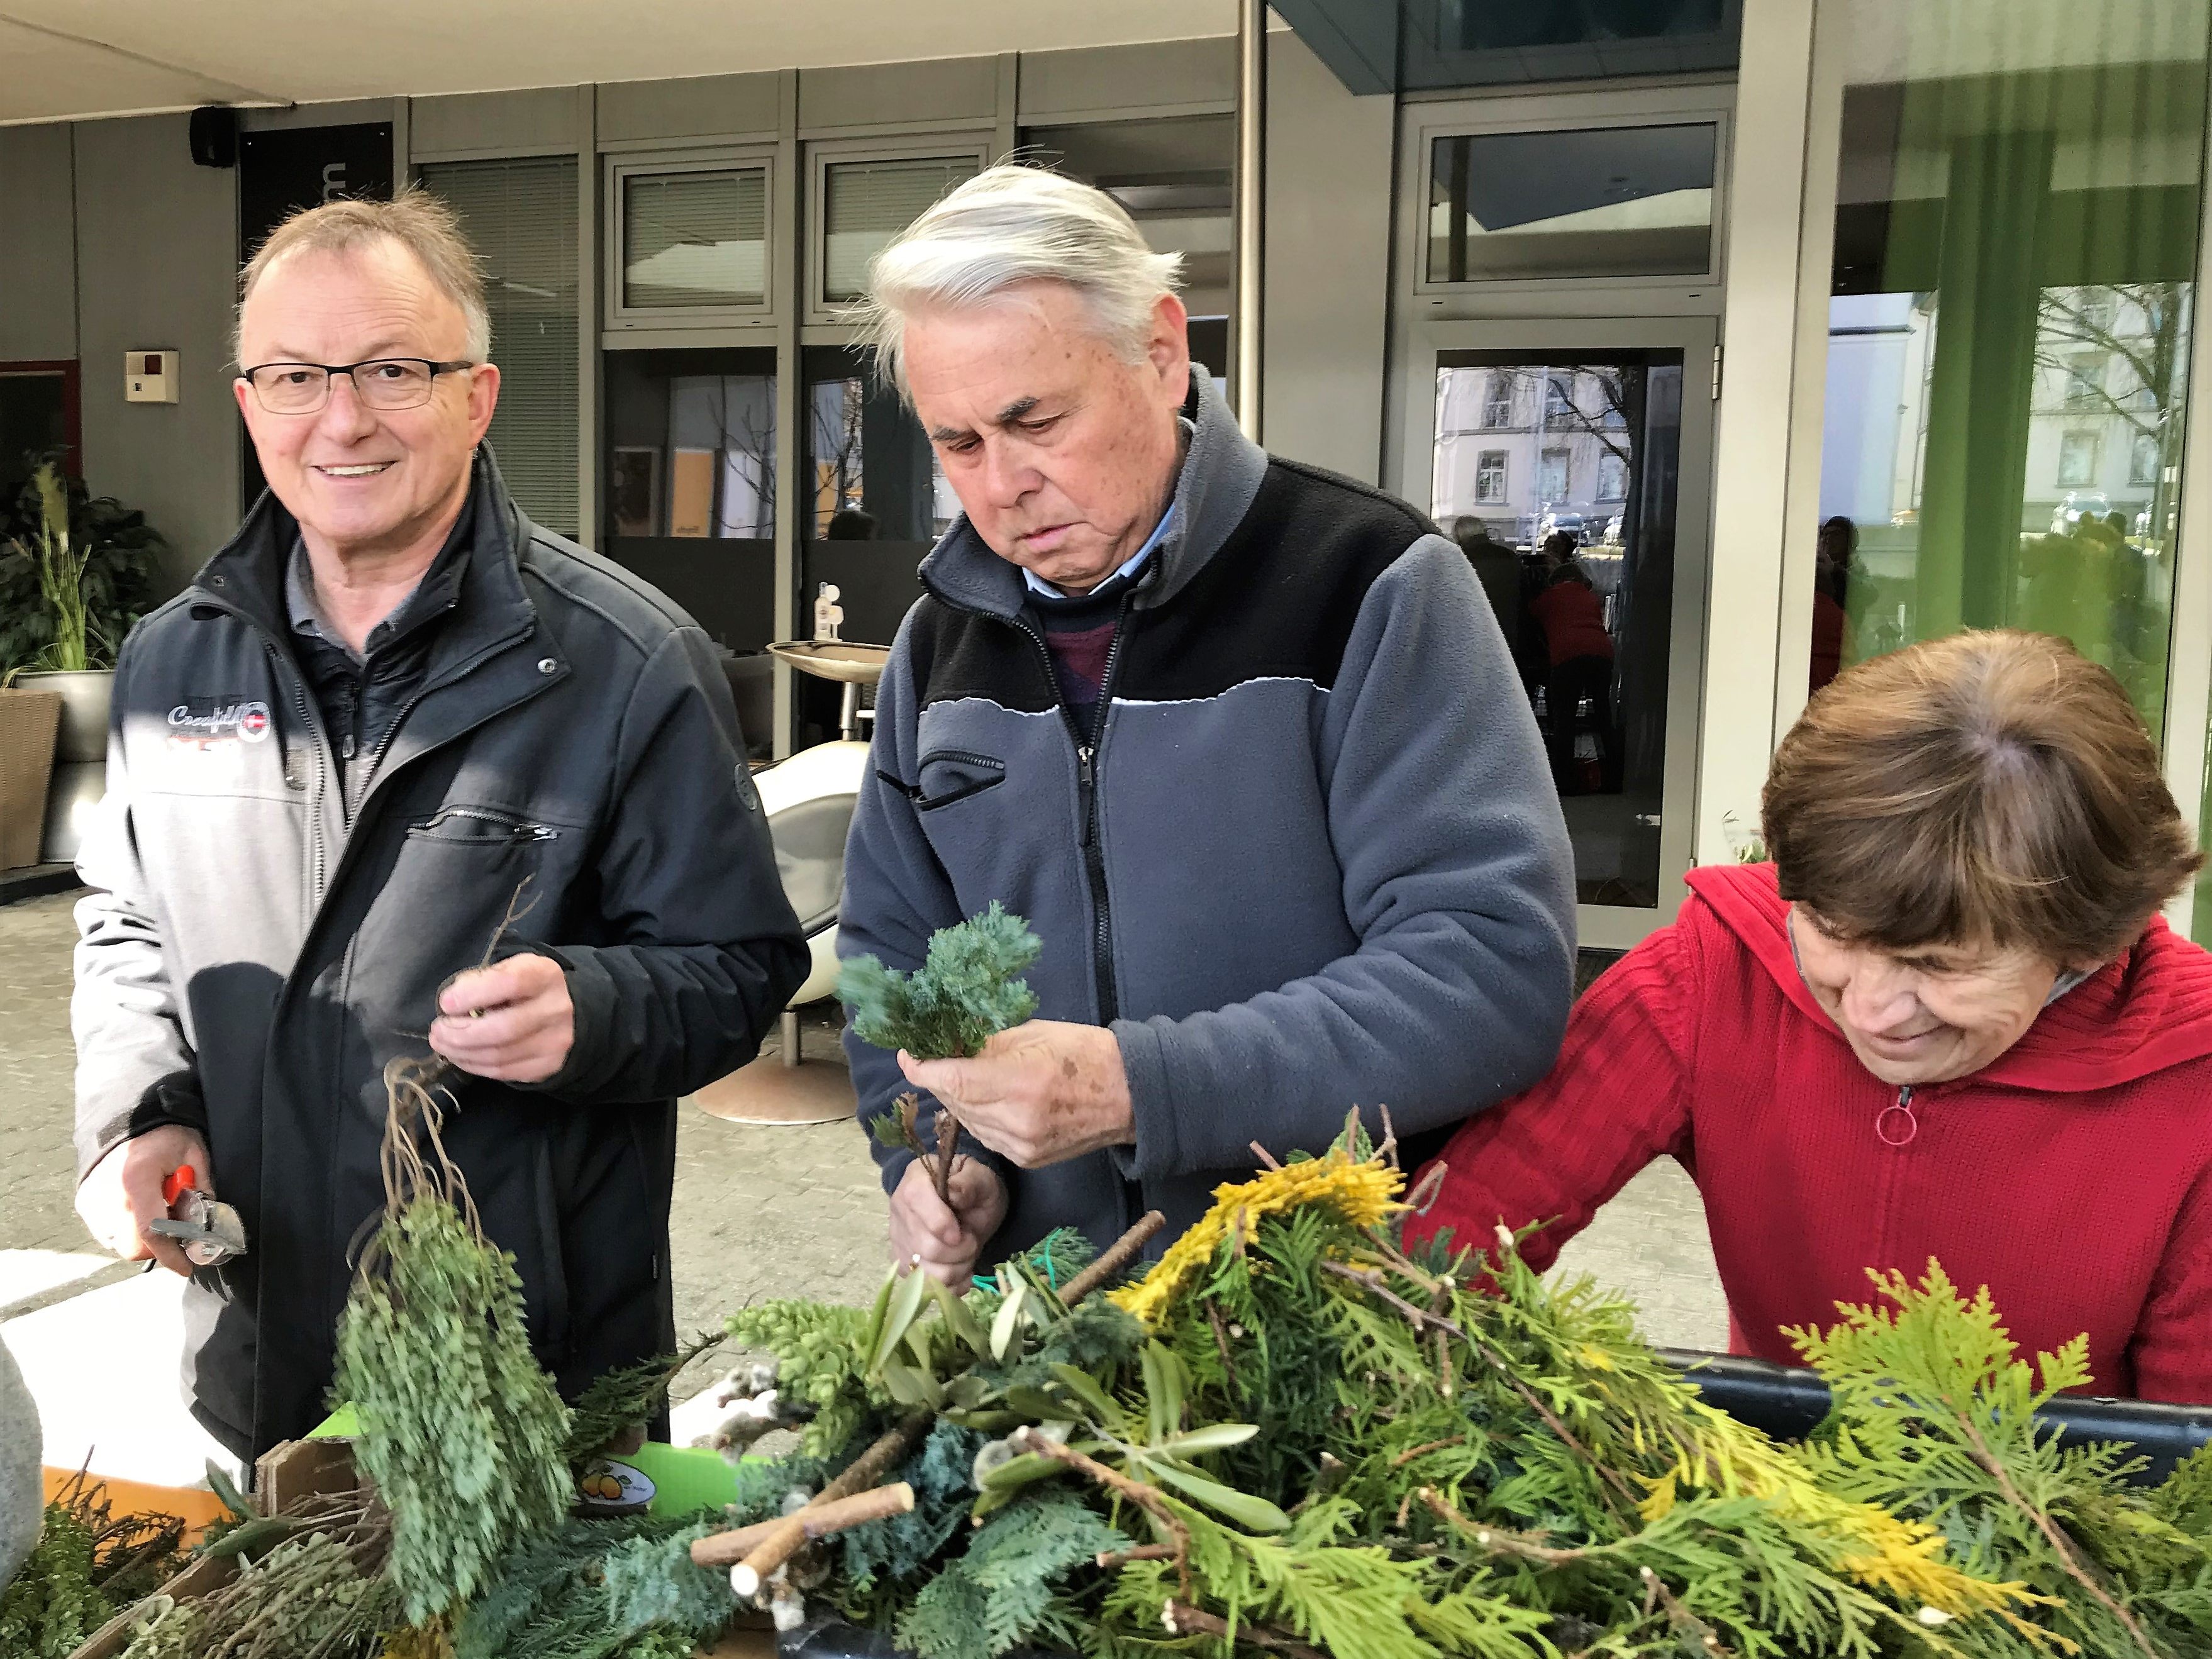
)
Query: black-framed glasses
[{"x": 379, "y": 382}]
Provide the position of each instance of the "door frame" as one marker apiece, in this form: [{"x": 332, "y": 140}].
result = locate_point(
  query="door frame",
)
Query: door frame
[{"x": 1605, "y": 926}]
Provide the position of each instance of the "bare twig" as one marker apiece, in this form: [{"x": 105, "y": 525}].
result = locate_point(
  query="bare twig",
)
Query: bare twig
[
  {"x": 1388, "y": 1152},
  {"x": 1183, "y": 1619},
  {"x": 1425, "y": 1448},
  {"x": 1427, "y": 1189},
  {"x": 1267, "y": 1159},
  {"x": 1109, "y": 1560},
  {"x": 1135, "y": 1491},
  {"x": 1680, "y": 1617},
  {"x": 1221, "y": 1340},
  {"x": 1420, "y": 1318},
  {"x": 948, "y": 1143},
  {"x": 1498, "y": 1540},
  {"x": 1116, "y": 1256}
]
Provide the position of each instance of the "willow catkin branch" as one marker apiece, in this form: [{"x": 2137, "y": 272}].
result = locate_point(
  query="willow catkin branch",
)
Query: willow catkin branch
[
  {"x": 1117, "y": 1255},
  {"x": 1183, "y": 1619},
  {"x": 778, "y": 1547},
  {"x": 726, "y": 1549}
]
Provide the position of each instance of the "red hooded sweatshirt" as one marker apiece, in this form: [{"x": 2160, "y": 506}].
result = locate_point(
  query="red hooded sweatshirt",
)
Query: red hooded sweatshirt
[{"x": 2073, "y": 1175}]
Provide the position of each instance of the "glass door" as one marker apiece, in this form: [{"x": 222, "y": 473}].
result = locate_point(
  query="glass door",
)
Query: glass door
[{"x": 1572, "y": 460}]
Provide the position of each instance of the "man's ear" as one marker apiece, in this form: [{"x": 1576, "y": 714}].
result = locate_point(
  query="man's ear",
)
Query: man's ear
[
  {"x": 1169, "y": 349},
  {"x": 483, "y": 399}
]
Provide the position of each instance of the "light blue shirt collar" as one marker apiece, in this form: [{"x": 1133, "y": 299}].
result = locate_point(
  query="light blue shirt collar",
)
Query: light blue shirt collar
[{"x": 1037, "y": 584}]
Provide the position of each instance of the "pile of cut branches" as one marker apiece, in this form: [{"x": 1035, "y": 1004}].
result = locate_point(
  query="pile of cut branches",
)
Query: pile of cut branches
[{"x": 1292, "y": 1436}]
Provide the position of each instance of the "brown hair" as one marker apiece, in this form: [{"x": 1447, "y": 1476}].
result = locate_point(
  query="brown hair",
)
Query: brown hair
[
  {"x": 1986, "y": 787},
  {"x": 420, "y": 222}
]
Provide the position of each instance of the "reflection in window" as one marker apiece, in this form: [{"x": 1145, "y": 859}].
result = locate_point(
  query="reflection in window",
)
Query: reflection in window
[
  {"x": 521, "y": 217},
  {"x": 876, "y": 502},
  {"x": 1498, "y": 405},
  {"x": 695, "y": 240},
  {"x": 689, "y": 498},
  {"x": 868, "y": 204},
  {"x": 1598, "y": 202},
  {"x": 2008, "y": 330},
  {"x": 1578, "y": 568}
]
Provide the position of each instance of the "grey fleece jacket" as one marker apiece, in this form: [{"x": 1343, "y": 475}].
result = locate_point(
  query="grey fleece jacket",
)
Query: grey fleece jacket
[{"x": 1315, "y": 861}]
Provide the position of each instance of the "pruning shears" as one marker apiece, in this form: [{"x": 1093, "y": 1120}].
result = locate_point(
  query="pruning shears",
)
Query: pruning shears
[{"x": 208, "y": 1229}]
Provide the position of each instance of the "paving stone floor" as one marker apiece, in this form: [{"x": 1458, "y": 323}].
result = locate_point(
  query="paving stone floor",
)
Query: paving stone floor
[{"x": 759, "y": 1212}]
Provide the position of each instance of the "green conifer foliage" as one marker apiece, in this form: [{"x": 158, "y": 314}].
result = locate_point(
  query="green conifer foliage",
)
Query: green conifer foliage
[{"x": 964, "y": 992}]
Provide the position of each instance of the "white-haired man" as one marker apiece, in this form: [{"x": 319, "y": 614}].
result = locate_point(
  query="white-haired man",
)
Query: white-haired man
[
  {"x": 386, "y": 705},
  {"x": 1239, "y": 738}
]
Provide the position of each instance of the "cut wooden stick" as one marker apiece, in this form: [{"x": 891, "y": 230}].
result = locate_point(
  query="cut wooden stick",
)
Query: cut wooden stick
[
  {"x": 726, "y": 1549},
  {"x": 788, "y": 1535},
  {"x": 1118, "y": 1256}
]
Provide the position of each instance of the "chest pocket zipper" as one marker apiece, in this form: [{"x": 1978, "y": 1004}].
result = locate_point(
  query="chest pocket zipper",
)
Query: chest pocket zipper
[
  {"x": 476, "y": 826},
  {"x": 964, "y": 773}
]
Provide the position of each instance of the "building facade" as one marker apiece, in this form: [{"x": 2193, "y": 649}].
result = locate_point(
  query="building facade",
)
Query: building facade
[{"x": 1784, "y": 334}]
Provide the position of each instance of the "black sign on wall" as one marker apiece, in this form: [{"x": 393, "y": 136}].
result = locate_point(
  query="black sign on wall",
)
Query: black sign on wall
[{"x": 283, "y": 171}]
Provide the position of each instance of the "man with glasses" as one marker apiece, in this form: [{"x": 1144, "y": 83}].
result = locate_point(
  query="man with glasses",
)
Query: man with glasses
[{"x": 392, "y": 724}]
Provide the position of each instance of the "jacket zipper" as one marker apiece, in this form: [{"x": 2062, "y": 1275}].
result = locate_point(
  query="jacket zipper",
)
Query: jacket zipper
[
  {"x": 1087, "y": 745},
  {"x": 320, "y": 745},
  {"x": 1892, "y": 1172}
]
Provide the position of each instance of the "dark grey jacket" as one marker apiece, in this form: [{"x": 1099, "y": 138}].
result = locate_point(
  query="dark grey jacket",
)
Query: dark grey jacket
[
  {"x": 250, "y": 959},
  {"x": 1316, "y": 862}
]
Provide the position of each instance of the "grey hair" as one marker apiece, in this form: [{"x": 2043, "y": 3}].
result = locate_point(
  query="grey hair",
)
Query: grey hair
[
  {"x": 425, "y": 226},
  {"x": 1012, "y": 224}
]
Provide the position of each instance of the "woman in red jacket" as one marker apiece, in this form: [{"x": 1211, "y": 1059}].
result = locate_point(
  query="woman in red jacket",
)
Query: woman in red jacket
[{"x": 1946, "y": 1022}]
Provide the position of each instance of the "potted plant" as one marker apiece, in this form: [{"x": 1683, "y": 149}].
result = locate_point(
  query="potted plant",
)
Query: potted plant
[{"x": 76, "y": 571}]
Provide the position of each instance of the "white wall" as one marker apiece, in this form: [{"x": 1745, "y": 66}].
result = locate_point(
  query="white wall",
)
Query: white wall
[{"x": 1325, "y": 325}]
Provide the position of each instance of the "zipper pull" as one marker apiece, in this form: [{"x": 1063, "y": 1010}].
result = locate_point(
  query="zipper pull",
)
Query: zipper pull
[
  {"x": 1895, "y": 1125},
  {"x": 1083, "y": 794},
  {"x": 1083, "y": 764}
]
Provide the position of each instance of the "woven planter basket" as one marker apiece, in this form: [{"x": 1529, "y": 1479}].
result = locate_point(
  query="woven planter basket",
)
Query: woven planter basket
[{"x": 28, "y": 723}]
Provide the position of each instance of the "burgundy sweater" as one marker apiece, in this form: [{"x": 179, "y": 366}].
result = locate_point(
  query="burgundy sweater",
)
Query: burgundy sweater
[{"x": 2073, "y": 1175}]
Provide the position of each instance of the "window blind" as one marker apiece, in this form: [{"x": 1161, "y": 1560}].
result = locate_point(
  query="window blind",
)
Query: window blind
[
  {"x": 521, "y": 216},
  {"x": 870, "y": 202},
  {"x": 695, "y": 239}
]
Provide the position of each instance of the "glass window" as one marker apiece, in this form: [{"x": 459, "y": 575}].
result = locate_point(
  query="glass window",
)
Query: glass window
[
  {"x": 689, "y": 500},
  {"x": 2144, "y": 459},
  {"x": 1559, "y": 402},
  {"x": 876, "y": 503},
  {"x": 520, "y": 217},
  {"x": 1598, "y": 202},
  {"x": 868, "y": 203},
  {"x": 1582, "y": 583},
  {"x": 1498, "y": 405},
  {"x": 695, "y": 240},
  {"x": 2009, "y": 320},
  {"x": 1553, "y": 482}
]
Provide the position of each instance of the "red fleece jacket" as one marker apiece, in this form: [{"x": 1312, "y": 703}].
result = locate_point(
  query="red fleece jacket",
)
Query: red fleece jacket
[{"x": 2072, "y": 1177}]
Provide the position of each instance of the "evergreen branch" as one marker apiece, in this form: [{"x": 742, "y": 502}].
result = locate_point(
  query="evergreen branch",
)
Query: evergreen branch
[
  {"x": 1680, "y": 1617},
  {"x": 1114, "y": 1560},
  {"x": 1419, "y": 1318},
  {"x": 1425, "y": 1448},
  {"x": 888, "y": 1452},
  {"x": 1136, "y": 1492},
  {"x": 1499, "y": 1541},
  {"x": 2053, "y": 1533},
  {"x": 1183, "y": 1619}
]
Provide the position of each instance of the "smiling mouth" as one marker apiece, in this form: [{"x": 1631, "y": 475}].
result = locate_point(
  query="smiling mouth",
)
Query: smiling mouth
[{"x": 360, "y": 470}]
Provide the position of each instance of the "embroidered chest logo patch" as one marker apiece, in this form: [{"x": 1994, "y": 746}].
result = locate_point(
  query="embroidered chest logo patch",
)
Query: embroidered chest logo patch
[{"x": 207, "y": 723}]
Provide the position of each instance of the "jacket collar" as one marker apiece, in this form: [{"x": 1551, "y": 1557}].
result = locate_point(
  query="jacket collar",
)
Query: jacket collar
[
  {"x": 1220, "y": 475},
  {"x": 479, "y": 581},
  {"x": 2148, "y": 1009}
]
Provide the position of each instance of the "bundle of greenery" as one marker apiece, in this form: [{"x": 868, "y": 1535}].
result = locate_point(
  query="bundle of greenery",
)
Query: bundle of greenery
[{"x": 1291, "y": 1436}]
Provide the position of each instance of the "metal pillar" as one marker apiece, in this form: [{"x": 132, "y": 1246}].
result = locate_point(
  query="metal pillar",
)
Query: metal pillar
[{"x": 1251, "y": 201}]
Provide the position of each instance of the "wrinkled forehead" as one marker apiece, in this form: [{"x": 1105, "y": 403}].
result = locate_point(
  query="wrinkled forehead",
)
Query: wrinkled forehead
[{"x": 340, "y": 304}]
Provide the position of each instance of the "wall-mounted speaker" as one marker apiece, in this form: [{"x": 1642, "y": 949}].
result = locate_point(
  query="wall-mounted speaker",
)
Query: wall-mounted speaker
[{"x": 215, "y": 136}]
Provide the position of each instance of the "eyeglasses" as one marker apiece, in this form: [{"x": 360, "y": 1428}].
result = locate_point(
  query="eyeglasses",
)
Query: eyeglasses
[{"x": 379, "y": 383}]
